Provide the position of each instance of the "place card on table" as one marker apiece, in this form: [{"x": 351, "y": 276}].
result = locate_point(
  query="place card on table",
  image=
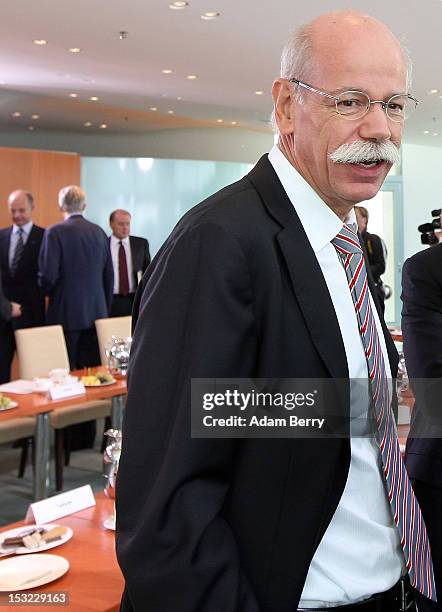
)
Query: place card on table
[
  {"x": 67, "y": 390},
  {"x": 52, "y": 508}
]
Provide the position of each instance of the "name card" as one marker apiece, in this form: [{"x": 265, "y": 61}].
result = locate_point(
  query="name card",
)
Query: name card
[
  {"x": 52, "y": 508},
  {"x": 67, "y": 390}
]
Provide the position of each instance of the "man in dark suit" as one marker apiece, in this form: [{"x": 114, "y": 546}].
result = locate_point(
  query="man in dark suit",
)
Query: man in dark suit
[
  {"x": 19, "y": 249},
  {"x": 8, "y": 309},
  {"x": 76, "y": 273},
  {"x": 130, "y": 258},
  {"x": 266, "y": 279},
  {"x": 374, "y": 251},
  {"x": 422, "y": 334}
]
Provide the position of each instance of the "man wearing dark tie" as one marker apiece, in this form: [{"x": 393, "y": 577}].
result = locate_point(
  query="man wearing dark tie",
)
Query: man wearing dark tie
[
  {"x": 130, "y": 258},
  {"x": 19, "y": 249}
]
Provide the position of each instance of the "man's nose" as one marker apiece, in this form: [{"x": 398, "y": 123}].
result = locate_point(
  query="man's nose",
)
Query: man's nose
[{"x": 375, "y": 125}]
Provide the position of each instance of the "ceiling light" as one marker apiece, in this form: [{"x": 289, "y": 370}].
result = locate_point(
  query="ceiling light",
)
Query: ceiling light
[
  {"x": 170, "y": 112},
  {"x": 433, "y": 91},
  {"x": 191, "y": 77},
  {"x": 35, "y": 117},
  {"x": 103, "y": 126},
  {"x": 435, "y": 133},
  {"x": 167, "y": 71},
  {"x": 74, "y": 50},
  {"x": 16, "y": 114},
  {"x": 31, "y": 128},
  {"x": 233, "y": 122},
  {"x": 219, "y": 120},
  {"x": 73, "y": 95},
  {"x": 426, "y": 131},
  {"x": 93, "y": 99},
  {"x": 87, "y": 124},
  {"x": 209, "y": 15},
  {"x": 259, "y": 93},
  {"x": 153, "y": 108},
  {"x": 179, "y": 98},
  {"x": 179, "y": 5},
  {"x": 40, "y": 41}
]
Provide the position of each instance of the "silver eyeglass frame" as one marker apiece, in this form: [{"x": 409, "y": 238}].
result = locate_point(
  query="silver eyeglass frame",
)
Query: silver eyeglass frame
[{"x": 383, "y": 103}]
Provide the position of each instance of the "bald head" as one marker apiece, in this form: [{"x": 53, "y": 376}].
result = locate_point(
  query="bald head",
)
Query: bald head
[
  {"x": 20, "y": 205},
  {"x": 119, "y": 221}
]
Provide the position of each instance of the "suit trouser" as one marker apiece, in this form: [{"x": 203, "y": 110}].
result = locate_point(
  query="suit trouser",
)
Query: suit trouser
[
  {"x": 7, "y": 350},
  {"x": 122, "y": 305},
  {"x": 430, "y": 502}
]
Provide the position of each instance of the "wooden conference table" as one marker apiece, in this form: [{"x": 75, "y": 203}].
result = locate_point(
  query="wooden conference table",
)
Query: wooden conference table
[
  {"x": 40, "y": 405},
  {"x": 94, "y": 580}
]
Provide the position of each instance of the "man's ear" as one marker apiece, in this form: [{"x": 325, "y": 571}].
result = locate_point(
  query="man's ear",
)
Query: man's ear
[{"x": 282, "y": 93}]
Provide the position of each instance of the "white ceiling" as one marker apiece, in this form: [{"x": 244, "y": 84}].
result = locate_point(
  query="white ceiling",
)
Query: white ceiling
[{"x": 233, "y": 56}]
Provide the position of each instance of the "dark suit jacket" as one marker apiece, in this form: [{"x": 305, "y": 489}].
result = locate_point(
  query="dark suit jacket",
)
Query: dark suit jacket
[
  {"x": 76, "y": 273},
  {"x": 139, "y": 248},
  {"x": 23, "y": 288},
  {"x": 422, "y": 333},
  {"x": 227, "y": 525},
  {"x": 5, "y": 305}
]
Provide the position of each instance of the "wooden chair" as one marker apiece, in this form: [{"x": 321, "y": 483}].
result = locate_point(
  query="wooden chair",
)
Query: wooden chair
[{"x": 39, "y": 350}]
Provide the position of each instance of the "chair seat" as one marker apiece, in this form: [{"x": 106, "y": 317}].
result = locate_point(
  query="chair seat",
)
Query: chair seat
[
  {"x": 14, "y": 429},
  {"x": 79, "y": 413}
]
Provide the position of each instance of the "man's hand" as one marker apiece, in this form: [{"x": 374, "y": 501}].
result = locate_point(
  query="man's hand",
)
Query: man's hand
[{"x": 16, "y": 310}]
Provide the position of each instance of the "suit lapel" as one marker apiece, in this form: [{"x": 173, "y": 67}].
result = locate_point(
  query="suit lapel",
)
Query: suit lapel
[{"x": 308, "y": 282}]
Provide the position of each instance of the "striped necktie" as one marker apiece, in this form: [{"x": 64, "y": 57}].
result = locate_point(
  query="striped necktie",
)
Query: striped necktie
[
  {"x": 19, "y": 246},
  {"x": 405, "y": 509}
]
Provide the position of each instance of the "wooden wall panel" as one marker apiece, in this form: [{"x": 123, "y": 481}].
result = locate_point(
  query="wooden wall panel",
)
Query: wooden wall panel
[{"x": 43, "y": 173}]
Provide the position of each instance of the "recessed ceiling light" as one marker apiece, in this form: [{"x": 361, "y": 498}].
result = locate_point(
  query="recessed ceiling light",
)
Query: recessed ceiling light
[
  {"x": 16, "y": 114},
  {"x": 435, "y": 133},
  {"x": 74, "y": 50},
  {"x": 35, "y": 116},
  {"x": 233, "y": 122},
  {"x": 40, "y": 41},
  {"x": 170, "y": 112},
  {"x": 219, "y": 120},
  {"x": 31, "y": 128},
  {"x": 87, "y": 124},
  {"x": 191, "y": 77},
  {"x": 179, "y": 5},
  {"x": 153, "y": 108},
  {"x": 209, "y": 15},
  {"x": 167, "y": 71},
  {"x": 73, "y": 95},
  {"x": 179, "y": 98},
  {"x": 259, "y": 93},
  {"x": 93, "y": 98},
  {"x": 426, "y": 131},
  {"x": 433, "y": 91},
  {"x": 103, "y": 126}
]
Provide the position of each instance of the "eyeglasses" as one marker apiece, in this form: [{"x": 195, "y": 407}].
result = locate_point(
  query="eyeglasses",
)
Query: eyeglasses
[{"x": 355, "y": 104}]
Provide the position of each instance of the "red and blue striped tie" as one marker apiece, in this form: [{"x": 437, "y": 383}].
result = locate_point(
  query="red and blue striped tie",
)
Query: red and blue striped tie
[{"x": 405, "y": 509}]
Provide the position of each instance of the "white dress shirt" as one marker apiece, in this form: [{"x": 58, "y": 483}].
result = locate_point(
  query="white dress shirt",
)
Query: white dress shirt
[
  {"x": 115, "y": 249},
  {"x": 14, "y": 237},
  {"x": 360, "y": 553}
]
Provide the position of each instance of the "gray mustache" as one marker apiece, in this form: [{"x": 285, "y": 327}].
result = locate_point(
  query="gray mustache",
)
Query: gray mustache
[{"x": 362, "y": 151}]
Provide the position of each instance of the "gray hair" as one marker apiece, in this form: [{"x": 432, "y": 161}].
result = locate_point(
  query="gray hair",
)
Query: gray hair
[
  {"x": 297, "y": 61},
  {"x": 72, "y": 199}
]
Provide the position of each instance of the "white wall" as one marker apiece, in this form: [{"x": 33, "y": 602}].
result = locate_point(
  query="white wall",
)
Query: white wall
[
  {"x": 215, "y": 144},
  {"x": 422, "y": 191}
]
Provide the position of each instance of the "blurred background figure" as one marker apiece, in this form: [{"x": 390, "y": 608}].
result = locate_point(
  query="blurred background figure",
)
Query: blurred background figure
[
  {"x": 375, "y": 250},
  {"x": 19, "y": 248},
  {"x": 130, "y": 258},
  {"x": 76, "y": 273},
  {"x": 8, "y": 309}
]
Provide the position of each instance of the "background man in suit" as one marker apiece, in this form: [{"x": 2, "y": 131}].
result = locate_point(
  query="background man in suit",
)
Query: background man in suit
[
  {"x": 422, "y": 333},
  {"x": 266, "y": 279},
  {"x": 8, "y": 309},
  {"x": 76, "y": 273},
  {"x": 19, "y": 249},
  {"x": 130, "y": 258},
  {"x": 374, "y": 251}
]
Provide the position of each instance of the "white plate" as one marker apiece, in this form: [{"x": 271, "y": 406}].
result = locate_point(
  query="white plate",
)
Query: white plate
[
  {"x": 21, "y": 573},
  {"x": 22, "y": 550},
  {"x": 9, "y": 406},
  {"x": 105, "y": 384}
]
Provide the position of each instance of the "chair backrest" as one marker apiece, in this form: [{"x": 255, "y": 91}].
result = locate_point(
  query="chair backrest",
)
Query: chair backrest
[
  {"x": 41, "y": 349},
  {"x": 114, "y": 326}
]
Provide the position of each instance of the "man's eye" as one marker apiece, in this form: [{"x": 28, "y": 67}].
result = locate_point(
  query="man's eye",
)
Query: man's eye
[{"x": 395, "y": 107}]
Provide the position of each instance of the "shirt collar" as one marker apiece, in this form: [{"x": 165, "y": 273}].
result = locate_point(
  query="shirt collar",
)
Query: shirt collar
[
  {"x": 116, "y": 240},
  {"x": 26, "y": 228},
  {"x": 74, "y": 214},
  {"x": 320, "y": 223}
]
